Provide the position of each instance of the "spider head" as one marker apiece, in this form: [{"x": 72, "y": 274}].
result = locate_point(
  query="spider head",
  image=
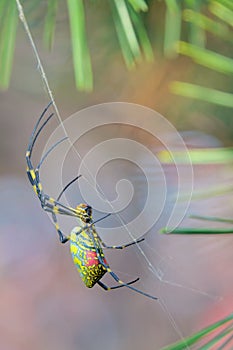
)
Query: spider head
[{"x": 85, "y": 212}]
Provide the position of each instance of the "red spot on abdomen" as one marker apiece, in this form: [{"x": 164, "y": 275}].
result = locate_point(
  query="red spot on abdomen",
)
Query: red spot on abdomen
[{"x": 92, "y": 259}]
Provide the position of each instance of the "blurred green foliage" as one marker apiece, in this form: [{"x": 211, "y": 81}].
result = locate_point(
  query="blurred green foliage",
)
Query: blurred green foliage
[{"x": 189, "y": 19}]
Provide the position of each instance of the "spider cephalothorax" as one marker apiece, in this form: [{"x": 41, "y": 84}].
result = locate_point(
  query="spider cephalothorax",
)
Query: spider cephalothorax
[{"x": 85, "y": 211}]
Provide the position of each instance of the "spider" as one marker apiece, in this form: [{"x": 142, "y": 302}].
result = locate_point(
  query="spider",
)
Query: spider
[{"x": 86, "y": 246}]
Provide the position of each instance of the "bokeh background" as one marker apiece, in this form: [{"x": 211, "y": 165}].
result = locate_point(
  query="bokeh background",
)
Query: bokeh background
[{"x": 43, "y": 302}]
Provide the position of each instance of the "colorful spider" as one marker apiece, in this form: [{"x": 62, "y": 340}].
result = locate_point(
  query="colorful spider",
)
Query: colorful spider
[{"x": 86, "y": 246}]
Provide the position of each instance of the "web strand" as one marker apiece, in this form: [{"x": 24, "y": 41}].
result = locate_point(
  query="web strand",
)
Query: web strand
[
  {"x": 155, "y": 271},
  {"x": 39, "y": 63},
  {"x": 50, "y": 94}
]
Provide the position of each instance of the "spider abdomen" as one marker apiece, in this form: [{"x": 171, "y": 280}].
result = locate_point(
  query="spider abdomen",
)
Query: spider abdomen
[{"x": 85, "y": 257}]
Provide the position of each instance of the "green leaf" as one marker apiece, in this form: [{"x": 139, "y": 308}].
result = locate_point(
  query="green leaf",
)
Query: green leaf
[
  {"x": 202, "y": 93},
  {"x": 7, "y": 42},
  {"x": 206, "y": 58},
  {"x": 50, "y": 23},
  {"x": 81, "y": 56}
]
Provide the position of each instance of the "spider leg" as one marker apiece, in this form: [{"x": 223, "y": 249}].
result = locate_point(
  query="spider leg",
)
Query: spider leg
[
  {"x": 94, "y": 236},
  {"x": 51, "y": 205},
  {"x": 102, "y": 285},
  {"x": 33, "y": 174},
  {"x": 63, "y": 238},
  {"x": 123, "y": 284},
  {"x": 120, "y": 246},
  {"x": 48, "y": 203},
  {"x": 36, "y": 133},
  {"x": 30, "y": 169},
  {"x": 54, "y": 207},
  {"x": 115, "y": 246}
]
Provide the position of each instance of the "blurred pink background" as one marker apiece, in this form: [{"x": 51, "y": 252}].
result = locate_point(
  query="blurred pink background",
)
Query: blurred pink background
[{"x": 43, "y": 302}]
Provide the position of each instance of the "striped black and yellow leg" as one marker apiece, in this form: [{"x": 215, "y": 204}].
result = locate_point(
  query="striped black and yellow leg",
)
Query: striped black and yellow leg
[
  {"x": 63, "y": 238},
  {"x": 123, "y": 284},
  {"x": 120, "y": 246},
  {"x": 102, "y": 285},
  {"x": 33, "y": 176},
  {"x": 114, "y": 276},
  {"x": 51, "y": 205}
]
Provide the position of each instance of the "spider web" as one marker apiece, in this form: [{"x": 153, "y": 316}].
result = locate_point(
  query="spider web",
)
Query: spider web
[{"x": 164, "y": 261}]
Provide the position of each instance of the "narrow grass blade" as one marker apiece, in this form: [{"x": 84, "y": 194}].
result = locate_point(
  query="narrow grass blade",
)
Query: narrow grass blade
[
  {"x": 211, "y": 192},
  {"x": 197, "y": 156},
  {"x": 139, "y": 5},
  {"x": 125, "y": 48},
  {"x": 127, "y": 27},
  {"x": 3, "y": 7},
  {"x": 222, "y": 12},
  {"x": 226, "y": 3},
  {"x": 227, "y": 342},
  {"x": 173, "y": 21},
  {"x": 143, "y": 38},
  {"x": 202, "y": 93},
  {"x": 214, "y": 27},
  {"x": 216, "y": 339},
  {"x": 81, "y": 56},
  {"x": 196, "y": 231},
  {"x": 189, "y": 341},
  {"x": 7, "y": 43},
  {"x": 196, "y": 33},
  {"x": 206, "y": 58},
  {"x": 211, "y": 218},
  {"x": 50, "y": 23}
]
